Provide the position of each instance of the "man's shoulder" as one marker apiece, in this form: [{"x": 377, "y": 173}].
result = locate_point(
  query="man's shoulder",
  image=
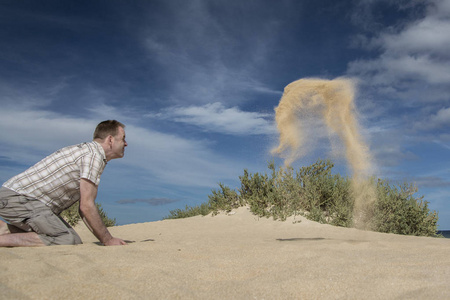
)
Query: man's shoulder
[
  {"x": 92, "y": 146},
  {"x": 77, "y": 148},
  {"x": 92, "y": 149},
  {"x": 73, "y": 152}
]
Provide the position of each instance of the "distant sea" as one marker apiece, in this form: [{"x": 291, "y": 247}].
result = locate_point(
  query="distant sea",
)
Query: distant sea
[{"x": 445, "y": 233}]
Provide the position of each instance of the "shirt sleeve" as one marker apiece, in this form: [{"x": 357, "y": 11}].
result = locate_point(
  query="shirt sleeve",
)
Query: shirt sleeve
[{"x": 92, "y": 167}]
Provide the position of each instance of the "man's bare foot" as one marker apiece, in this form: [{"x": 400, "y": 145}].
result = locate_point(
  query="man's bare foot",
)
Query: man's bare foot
[{"x": 27, "y": 239}]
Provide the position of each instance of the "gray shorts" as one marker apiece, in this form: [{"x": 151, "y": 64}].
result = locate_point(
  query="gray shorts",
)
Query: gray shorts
[{"x": 30, "y": 214}]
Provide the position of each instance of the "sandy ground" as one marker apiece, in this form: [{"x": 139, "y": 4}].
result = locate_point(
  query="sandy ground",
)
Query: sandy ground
[{"x": 236, "y": 256}]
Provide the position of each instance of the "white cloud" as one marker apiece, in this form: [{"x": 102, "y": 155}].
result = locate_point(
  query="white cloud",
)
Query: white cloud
[
  {"x": 426, "y": 35},
  {"x": 405, "y": 83},
  {"x": 215, "y": 117},
  {"x": 431, "y": 181},
  {"x": 440, "y": 120},
  {"x": 205, "y": 60},
  {"x": 176, "y": 160},
  {"x": 28, "y": 135},
  {"x": 414, "y": 61}
]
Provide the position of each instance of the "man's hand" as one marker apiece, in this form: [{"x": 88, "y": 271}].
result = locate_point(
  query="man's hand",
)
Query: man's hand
[
  {"x": 115, "y": 242},
  {"x": 91, "y": 217}
]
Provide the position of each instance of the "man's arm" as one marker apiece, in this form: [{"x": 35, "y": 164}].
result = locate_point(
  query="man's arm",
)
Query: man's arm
[{"x": 90, "y": 215}]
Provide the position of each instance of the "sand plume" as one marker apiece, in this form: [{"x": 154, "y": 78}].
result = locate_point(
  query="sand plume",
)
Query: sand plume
[{"x": 331, "y": 101}]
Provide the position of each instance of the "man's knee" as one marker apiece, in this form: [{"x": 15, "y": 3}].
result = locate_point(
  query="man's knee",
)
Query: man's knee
[
  {"x": 74, "y": 238},
  {"x": 69, "y": 238},
  {"x": 54, "y": 231}
]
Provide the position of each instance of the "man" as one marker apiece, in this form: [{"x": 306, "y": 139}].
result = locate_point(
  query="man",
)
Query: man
[{"x": 32, "y": 201}]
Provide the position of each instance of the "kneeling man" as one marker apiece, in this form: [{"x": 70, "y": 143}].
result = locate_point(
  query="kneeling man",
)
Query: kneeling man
[{"x": 32, "y": 201}]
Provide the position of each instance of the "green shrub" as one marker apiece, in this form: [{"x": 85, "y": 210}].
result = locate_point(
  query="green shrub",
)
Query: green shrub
[
  {"x": 190, "y": 211},
  {"x": 72, "y": 215},
  {"x": 286, "y": 194},
  {"x": 341, "y": 206},
  {"x": 321, "y": 196},
  {"x": 397, "y": 211},
  {"x": 106, "y": 220},
  {"x": 256, "y": 190},
  {"x": 224, "y": 199}
]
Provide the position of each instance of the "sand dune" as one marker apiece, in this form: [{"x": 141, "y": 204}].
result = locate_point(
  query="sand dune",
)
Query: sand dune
[{"x": 238, "y": 256}]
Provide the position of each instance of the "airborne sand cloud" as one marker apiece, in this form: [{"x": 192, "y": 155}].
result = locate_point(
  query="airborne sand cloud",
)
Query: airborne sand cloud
[{"x": 333, "y": 102}]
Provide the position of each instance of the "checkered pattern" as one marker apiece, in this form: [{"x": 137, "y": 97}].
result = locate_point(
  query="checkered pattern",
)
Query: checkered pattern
[{"x": 55, "y": 180}]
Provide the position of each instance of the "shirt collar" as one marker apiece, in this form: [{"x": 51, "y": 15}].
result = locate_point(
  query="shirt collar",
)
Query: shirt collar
[{"x": 101, "y": 150}]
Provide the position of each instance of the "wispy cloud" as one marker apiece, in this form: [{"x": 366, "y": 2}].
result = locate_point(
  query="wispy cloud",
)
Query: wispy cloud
[
  {"x": 205, "y": 60},
  {"x": 438, "y": 121},
  {"x": 33, "y": 133},
  {"x": 164, "y": 158},
  {"x": 431, "y": 182},
  {"x": 176, "y": 160},
  {"x": 150, "y": 201},
  {"x": 408, "y": 68},
  {"x": 215, "y": 117},
  {"x": 413, "y": 58}
]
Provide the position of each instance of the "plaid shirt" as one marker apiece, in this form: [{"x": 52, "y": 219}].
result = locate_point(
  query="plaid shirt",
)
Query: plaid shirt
[{"x": 55, "y": 180}]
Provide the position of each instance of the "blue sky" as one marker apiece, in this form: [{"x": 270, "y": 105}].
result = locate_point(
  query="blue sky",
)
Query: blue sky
[{"x": 196, "y": 83}]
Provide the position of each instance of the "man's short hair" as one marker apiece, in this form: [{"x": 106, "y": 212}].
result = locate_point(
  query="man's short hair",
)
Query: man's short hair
[{"x": 106, "y": 128}]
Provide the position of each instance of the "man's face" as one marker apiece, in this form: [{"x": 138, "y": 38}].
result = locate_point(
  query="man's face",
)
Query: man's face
[{"x": 119, "y": 144}]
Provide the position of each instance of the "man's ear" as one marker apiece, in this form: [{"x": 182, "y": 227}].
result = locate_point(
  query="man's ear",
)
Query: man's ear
[{"x": 110, "y": 139}]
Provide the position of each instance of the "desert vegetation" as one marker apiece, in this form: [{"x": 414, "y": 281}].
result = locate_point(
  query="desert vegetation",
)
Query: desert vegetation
[
  {"x": 319, "y": 195},
  {"x": 72, "y": 216}
]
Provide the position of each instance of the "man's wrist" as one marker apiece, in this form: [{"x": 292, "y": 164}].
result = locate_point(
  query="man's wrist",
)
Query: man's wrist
[{"x": 106, "y": 239}]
